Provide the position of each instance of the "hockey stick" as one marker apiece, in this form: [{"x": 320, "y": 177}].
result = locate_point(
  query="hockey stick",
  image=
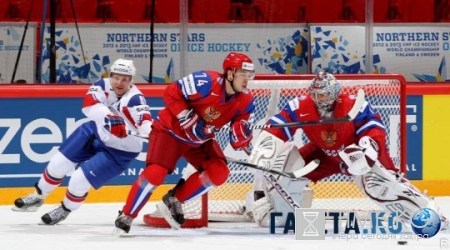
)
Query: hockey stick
[
  {"x": 281, "y": 191},
  {"x": 293, "y": 175},
  {"x": 137, "y": 134},
  {"x": 347, "y": 118}
]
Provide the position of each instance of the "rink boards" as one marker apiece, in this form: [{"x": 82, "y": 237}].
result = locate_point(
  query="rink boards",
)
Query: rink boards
[{"x": 39, "y": 118}]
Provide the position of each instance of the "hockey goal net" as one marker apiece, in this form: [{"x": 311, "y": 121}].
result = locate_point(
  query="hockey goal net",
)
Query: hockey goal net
[{"x": 385, "y": 92}]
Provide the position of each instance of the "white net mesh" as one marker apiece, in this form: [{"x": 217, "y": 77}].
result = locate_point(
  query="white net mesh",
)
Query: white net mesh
[{"x": 337, "y": 192}]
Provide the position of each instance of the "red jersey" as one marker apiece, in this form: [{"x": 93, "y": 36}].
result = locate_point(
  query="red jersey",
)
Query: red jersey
[
  {"x": 332, "y": 138},
  {"x": 204, "y": 92}
]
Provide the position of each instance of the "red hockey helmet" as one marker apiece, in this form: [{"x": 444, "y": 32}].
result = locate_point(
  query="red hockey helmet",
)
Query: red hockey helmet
[{"x": 238, "y": 61}]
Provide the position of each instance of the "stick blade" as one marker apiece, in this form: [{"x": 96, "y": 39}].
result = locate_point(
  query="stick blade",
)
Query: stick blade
[
  {"x": 137, "y": 135},
  {"x": 306, "y": 169},
  {"x": 358, "y": 105}
]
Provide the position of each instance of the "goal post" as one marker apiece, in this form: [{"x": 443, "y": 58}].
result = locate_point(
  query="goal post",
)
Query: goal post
[{"x": 386, "y": 94}]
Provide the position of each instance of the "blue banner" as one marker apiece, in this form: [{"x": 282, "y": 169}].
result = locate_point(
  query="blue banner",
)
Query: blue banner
[
  {"x": 414, "y": 135},
  {"x": 32, "y": 131}
]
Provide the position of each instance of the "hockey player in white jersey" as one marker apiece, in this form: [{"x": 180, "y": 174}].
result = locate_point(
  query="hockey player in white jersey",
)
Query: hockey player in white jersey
[{"x": 100, "y": 147}]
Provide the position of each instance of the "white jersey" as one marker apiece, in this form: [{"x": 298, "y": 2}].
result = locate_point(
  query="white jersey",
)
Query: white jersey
[{"x": 101, "y": 100}]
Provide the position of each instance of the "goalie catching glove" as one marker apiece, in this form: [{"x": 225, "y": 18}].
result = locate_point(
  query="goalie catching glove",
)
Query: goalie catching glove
[
  {"x": 115, "y": 125},
  {"x": 360, "y": 158}
]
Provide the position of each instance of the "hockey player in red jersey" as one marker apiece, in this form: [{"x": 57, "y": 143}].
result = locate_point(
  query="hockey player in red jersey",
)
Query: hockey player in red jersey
[
  {"x": 100, "y": 147},
  {"x": 196, "y": 105},
  {"x": 357, "y": 148}
]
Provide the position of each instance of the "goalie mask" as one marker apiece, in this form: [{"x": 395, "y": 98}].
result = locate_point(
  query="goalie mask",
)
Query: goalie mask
[{"x": 324, "y": 90}]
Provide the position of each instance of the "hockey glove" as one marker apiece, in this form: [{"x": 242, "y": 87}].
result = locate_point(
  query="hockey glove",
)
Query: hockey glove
[
  {"x": 115, "y": 125},
  {"x": 194, "y": 127},
  {"x": 356, "y": 161},
  {"x": 145, "y": 128},
  {"x": 369, "y": 147},
  {"x": 240, "y": 134}
]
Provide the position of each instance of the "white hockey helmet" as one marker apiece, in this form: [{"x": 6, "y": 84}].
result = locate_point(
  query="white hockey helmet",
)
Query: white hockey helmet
[
  {"x": 123, "y": 67},
  {"x": 324, "y": 83}
]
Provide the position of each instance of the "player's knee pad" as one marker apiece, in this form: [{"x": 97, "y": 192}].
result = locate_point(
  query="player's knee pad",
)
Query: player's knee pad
[
  {"x": 217, "y": 171},
  {"x": 155, "y": 174},
  {"x": 392, "y": 192},
  {"x": 59, "y": 166}
]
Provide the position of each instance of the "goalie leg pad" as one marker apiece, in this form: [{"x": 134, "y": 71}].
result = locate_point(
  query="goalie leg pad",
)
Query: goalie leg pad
[
  {"x": 283, "y": 195},
  {"x": 392, "y": 192},
  {"x": 261, "y": 211},
  {"x": 292, "y": 189}
]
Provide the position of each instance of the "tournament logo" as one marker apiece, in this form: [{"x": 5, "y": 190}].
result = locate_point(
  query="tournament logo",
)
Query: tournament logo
[
  {"x": 329, "y": 137},
  {"x": 211, "y": 114}
]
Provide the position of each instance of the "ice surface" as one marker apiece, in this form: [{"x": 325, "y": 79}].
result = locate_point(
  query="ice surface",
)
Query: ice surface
[{"x": 91, "y": 226}]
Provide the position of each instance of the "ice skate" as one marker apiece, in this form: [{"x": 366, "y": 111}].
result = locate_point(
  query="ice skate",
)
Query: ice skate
[
  {"x": 172, "y": 210},
  {"x": 56, "y": 215},
  {"x": 29, "y": 203},
  {"x": 123, "y": 224}
]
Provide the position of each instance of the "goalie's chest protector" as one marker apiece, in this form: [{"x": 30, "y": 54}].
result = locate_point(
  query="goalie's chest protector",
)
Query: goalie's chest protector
[{"x": 331, "y": 138}]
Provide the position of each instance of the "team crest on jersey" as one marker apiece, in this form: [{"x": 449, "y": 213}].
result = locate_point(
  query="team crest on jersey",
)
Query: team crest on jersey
[
  {"x": 329, "y": 137},
  {"x": 211, "y": 114}
]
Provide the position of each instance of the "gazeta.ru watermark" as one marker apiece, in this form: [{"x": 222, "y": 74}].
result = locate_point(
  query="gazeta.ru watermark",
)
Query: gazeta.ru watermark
[{"x": 309, "y": 224}]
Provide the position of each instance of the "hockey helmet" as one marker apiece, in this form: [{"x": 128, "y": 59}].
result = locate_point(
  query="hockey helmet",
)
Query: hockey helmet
[
  {"x": 238, "y": 61},
  {"x": 123, "y": 67},
  {"x": 324, "y": 83}
]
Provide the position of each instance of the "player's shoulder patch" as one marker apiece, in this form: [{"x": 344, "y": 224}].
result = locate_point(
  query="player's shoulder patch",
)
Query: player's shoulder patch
[
  {"x": 201, "y": 79},
  {"x": 138, "y": 99},
  {"x": 294, "y": 104}
]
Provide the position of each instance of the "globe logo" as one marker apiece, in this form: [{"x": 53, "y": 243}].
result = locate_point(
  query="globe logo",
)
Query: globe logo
[{"x": 425, "y": 223}]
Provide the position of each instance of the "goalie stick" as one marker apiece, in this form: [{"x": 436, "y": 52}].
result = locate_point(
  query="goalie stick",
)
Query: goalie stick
[
  {"x": 293, "y": 175},
  {"x": 347, "y": 118},
  {"x": 281, "y": 191}
]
